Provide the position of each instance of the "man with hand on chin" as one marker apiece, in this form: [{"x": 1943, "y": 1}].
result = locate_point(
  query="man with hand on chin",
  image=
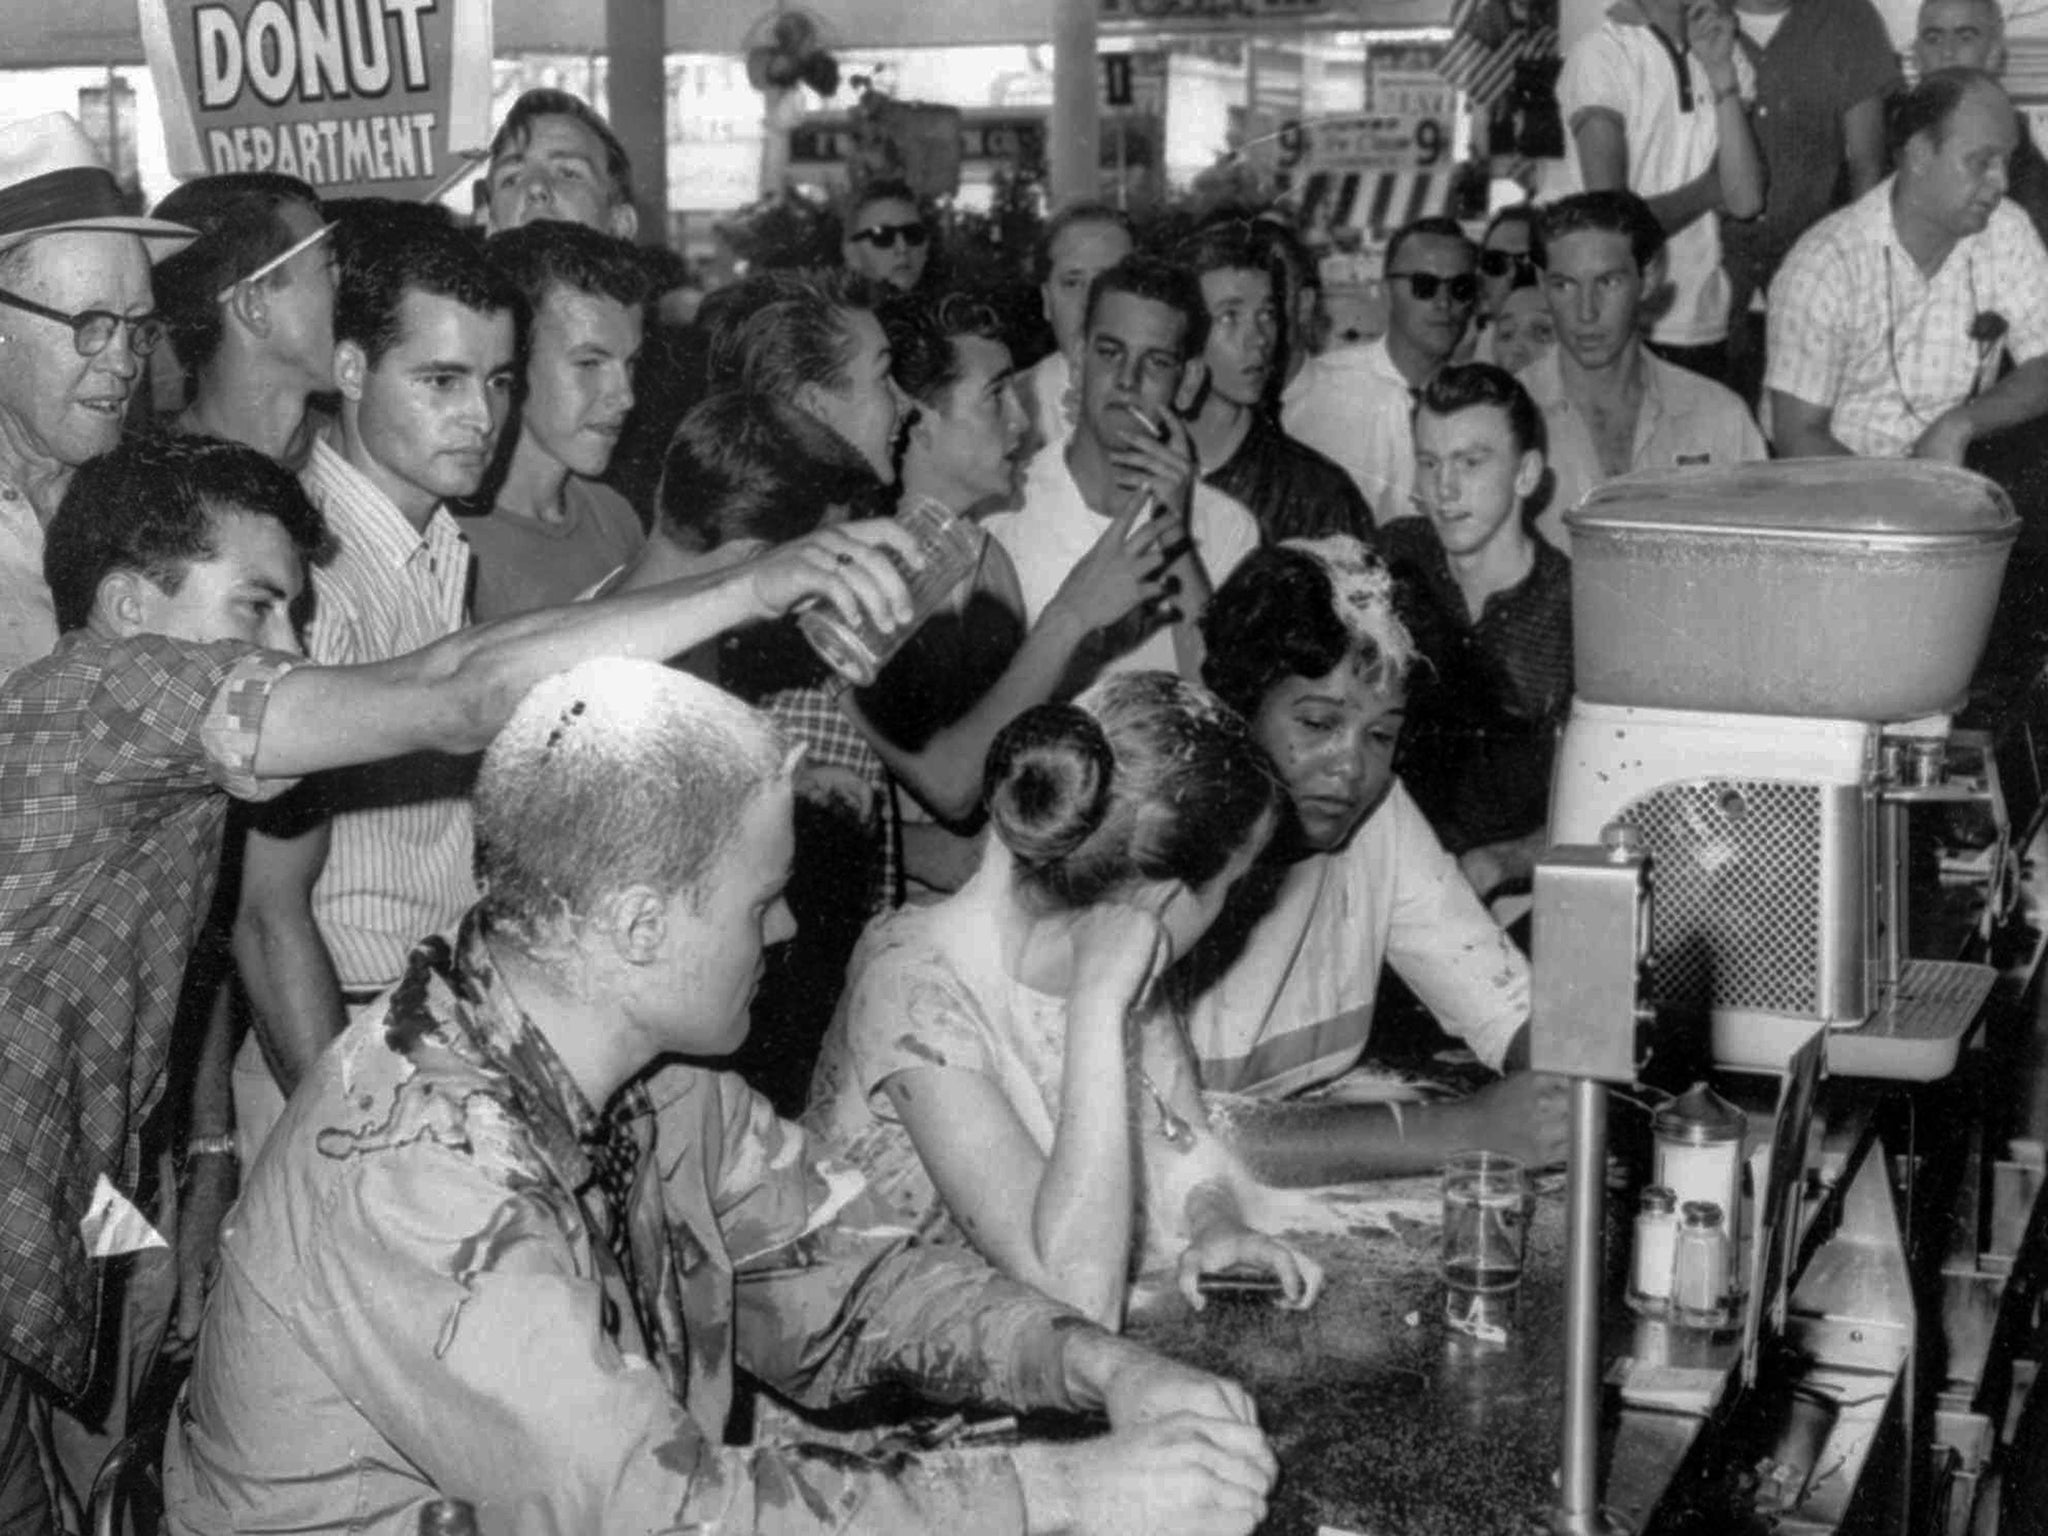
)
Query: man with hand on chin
[{"x": 1141, "y": 360}]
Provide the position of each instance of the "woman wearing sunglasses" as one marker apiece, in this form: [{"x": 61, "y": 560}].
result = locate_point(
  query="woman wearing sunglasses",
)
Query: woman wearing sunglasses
[
  {"x": 1505, "y": 264},
  {"x": 886, "y": 238}
]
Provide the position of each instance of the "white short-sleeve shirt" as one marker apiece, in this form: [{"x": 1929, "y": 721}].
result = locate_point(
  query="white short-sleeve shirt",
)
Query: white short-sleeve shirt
[
  {"x": 1856, "y": 327},
  {"x": 1624, "y": 68},
  {"x": 1054, "y": 528}
]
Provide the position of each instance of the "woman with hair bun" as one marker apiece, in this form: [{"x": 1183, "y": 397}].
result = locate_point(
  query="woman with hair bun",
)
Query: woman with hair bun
[{"x": 1000, "y": 1067}]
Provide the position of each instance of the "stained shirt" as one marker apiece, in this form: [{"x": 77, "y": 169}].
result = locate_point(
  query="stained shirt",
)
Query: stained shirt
[
  {"x": 1294, "y": 1008},
  {"x": 1292, "y": 491},
  {"x": 927, "y": 988},
  {"x": 117, "y": 758},
  {"x": 419, "y": 1296},
  {"x": 1857, "y": 328},
  {"x": 1484, "y": 716}
]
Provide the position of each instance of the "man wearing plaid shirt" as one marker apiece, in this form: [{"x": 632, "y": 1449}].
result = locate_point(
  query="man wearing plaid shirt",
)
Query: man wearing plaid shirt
[
  {"x": 1890, "y": 320},
  {"x": 176, "y": 684}
]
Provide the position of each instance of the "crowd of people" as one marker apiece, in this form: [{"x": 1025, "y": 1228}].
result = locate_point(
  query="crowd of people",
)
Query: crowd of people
[{"x": 723, "y": 1022}]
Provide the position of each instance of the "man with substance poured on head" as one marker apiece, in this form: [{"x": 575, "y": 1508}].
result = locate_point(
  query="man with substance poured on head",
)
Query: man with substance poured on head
[{"x": 481, "y": 1259}]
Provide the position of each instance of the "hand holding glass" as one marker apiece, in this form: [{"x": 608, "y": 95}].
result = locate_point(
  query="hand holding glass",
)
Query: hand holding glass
[{"x": 951, "y": 547}]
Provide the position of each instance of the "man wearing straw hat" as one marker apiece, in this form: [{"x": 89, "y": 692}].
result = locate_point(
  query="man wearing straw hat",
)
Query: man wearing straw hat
[{"x": 76, "y": 321}]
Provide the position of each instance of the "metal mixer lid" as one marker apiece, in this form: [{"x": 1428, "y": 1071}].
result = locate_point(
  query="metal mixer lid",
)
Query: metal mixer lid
[
  {"x": 1913, "y": 500},
  {"x": 1698, "y": 1116}
]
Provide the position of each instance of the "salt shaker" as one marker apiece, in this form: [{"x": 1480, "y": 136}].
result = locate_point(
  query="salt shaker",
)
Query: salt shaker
[
  {"x": 1656, "y": 1251},
  {"x": 1699, "y": 1280}
]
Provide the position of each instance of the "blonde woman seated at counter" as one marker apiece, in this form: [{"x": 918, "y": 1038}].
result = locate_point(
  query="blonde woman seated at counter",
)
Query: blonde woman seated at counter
[
  {"x": 1303, "y": 641},
  {"x": 980, "y": 1067}
]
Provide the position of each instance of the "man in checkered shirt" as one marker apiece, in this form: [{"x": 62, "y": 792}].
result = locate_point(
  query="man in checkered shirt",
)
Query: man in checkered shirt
[
  {"x": 174, "y": 565},
  {"x": 1891, "y": 320}
]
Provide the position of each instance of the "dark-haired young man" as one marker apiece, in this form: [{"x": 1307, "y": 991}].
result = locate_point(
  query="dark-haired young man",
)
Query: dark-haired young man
[
  {"x": 1141, "y": 362},
  {"x": 1352, "y": 404},
  {"x": 555, "y": 157},
  {"x": 339, "y": 883},
  {"x": 1891, "y": 318},
  {"x": 1610, "y": 404},
  {"x": 1293, "y": 491},
  {"x": 554, "y": 530},
  {"x": 250, "y": 308},
  {"x": 1491, "y": 612},
  {"x": 935, "y": 711},
  {"x": 174, "y": 563}
]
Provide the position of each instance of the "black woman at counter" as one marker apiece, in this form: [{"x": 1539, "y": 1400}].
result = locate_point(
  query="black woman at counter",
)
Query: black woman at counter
[{"x": 1304, "y": 642}]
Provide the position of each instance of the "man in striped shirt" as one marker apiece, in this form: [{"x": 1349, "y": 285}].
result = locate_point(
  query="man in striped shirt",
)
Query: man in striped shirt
[{"x": 352, "y": 870}]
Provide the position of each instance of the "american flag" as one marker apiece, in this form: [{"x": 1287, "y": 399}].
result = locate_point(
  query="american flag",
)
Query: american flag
[{"x": 1486, "y": 45}]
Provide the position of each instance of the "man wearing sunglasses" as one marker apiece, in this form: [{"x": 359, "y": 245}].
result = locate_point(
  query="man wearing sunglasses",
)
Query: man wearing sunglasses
[
  {"x": 886, "y": 239},
  {"x": 1354, "y": 404},
  {"x": 76, "y": 321}
]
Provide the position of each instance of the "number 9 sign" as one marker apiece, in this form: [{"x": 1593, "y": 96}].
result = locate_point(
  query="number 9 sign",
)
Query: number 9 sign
[{"x": 1429, "y": 142}]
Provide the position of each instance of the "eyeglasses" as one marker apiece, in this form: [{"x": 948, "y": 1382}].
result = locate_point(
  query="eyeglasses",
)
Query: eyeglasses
[
  {"x": 303, "y": 243},
  {"x": 883, "y": 237},
  {"x": 1464, "y": 288},
  {"x": 93, "y": 330},
  {"x": 1501, "y": 263}
]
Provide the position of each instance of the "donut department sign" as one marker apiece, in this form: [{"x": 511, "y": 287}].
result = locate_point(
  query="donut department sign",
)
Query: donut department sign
[{"x": 354, "y": 96}]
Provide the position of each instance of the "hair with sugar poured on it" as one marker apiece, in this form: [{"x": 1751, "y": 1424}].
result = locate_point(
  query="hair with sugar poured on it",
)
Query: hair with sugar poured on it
[{"x": 590, "y": 761}]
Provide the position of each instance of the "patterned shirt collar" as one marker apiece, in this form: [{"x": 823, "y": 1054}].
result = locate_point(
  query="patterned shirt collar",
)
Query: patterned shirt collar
[{"x": 455, "y": 998}]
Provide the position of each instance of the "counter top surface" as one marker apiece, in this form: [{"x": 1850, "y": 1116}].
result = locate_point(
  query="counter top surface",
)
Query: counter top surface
[{"x": 1386, "y": 1422}]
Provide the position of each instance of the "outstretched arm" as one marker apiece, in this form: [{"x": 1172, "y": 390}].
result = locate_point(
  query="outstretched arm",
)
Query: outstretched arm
[{"x": 453, "y": 695}]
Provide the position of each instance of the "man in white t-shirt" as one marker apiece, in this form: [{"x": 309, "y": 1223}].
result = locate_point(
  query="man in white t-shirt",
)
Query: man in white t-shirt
[
  {"x": 1656, "y": 101},
  {"x": 1142, "y": 342}
]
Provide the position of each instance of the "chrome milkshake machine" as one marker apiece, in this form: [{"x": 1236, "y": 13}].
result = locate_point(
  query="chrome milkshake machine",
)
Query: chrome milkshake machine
[{"x": 1766, "y": 661}]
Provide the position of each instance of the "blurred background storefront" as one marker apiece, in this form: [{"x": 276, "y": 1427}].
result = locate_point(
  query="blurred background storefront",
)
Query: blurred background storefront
[{"x": 1360, "y": 113}]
